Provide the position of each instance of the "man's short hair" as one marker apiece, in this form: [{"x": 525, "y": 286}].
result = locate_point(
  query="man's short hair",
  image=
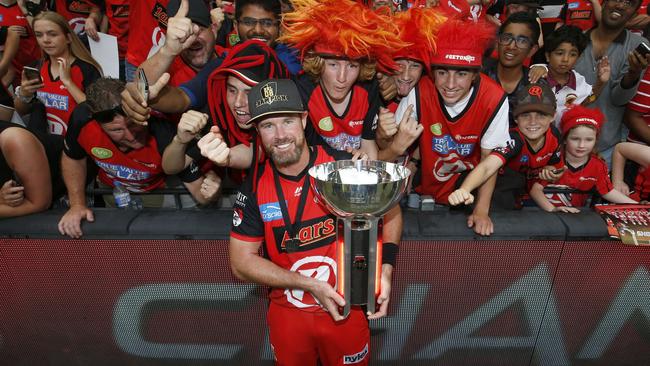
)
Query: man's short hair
[
  {"x": 104, "y": 94},
  {"x": 566, "y": 34},
  {"x": 522, "y": 17},
  {"x": 272, "y": 6}
]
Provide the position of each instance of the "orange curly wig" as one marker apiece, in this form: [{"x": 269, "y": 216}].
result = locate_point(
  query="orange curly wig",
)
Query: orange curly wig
[
  {"x": 342, "y": 29},
  {"x": 419, "y": 27}
]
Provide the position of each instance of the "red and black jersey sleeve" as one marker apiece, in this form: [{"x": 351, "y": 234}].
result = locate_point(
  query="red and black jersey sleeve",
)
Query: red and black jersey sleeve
[
  {"x": 556, "y": 159},
  {"x": 512, "y": 149},
  {"x": 374, "y": 102},
  {"x": 89, "y": 73},
  {"x": 247, "y": 224},
  {"x": 80, "y": 117}
]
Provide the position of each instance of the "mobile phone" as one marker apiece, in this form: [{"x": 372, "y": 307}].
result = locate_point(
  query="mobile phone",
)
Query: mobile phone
[
  {"x": 32, "y": 73},
  {"x": 143, "y": 85},
  {"x": 643, "y": 49}
]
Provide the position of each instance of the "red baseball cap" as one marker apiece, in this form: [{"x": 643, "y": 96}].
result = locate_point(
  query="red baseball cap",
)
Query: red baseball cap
[{"x": 582, "y": 116}]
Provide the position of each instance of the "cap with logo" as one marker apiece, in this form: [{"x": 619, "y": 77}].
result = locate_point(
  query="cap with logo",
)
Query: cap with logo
[
  {"x": 274, "y": 96},
  {"x": 579, "y": 116},
  {"x": 535, "y": 97},
  {"x": 461, "y": 43},
  {"x": 198, "y": 11}
]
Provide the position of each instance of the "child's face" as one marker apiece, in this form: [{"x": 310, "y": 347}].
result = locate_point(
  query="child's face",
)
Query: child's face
[
  {"x": 562, "y": 59},
  {"x": 533, "y": 125},
  {"x": 580, "y": 141}
]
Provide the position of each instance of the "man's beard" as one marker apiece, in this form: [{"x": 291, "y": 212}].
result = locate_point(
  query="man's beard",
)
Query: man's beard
[{"x": 285, "y": 158}]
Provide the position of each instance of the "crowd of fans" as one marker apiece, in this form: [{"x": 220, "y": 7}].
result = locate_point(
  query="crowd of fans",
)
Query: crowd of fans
[{"x": 475, "y": 97}]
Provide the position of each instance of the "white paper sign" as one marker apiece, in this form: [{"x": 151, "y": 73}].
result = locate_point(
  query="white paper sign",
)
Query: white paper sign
[{"x": 105, "y": 52}]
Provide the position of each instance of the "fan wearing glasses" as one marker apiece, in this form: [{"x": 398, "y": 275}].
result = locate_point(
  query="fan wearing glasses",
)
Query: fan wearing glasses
[
  {"x": 516, "y": 42},
  {"x": 123, "y": 151}
]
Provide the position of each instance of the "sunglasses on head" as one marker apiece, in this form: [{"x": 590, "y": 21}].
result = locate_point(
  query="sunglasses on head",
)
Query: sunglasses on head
[{"x": 107, "y": 115}]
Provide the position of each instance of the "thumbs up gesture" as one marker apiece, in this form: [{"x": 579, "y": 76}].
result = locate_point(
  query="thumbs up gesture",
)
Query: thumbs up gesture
[{"x": 181, "y": 33}]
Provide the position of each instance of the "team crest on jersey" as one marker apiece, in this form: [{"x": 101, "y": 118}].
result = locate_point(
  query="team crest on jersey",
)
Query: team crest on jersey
[
  {"x": 318, "y": 267},
  {"x": 326, "y": 124},
  {"x": 101, "y": 153},
  {"x": 524, "y": 159},
  {"x": 436, "y": 129},
  {"x": 271, "y": 211},
  {"x": 237, "y": 216},
  {"x": 311, "y": 234}
]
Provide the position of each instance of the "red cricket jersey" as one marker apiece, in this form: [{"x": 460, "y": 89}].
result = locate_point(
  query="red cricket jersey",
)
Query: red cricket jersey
[
  {"x": 522, "y": 158},
  {"x": 593, "y": 177},
  {"x": 75, "y": 12},
  {"x": 58, "y": 102},
  {"x": 450, "y": 146},
  {"x": 117, "y": 12},
  {"x": 147, "y": 25},
  {"x": 579, "y": 13},
  {"x": 258, "y": 217},
  {"x": 29, "y": 51},
  {"x": 346, "y": 130},
  {"x": 642, "y": 185}
]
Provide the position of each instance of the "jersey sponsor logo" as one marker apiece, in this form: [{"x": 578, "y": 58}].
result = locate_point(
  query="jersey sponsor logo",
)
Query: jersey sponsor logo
[
  {"x": 356, "y": 123},
  {"x": 573, "y": 5},
  {"x": 343, "y": 141},
  {"x": 543, "y": 157},
  {"x": 446, "y": 144},
  {"x": 237, "y": 216},
  {"x": 240, "y": 200},
  {"x": 271, "y": 211},
  {"x": 160, "y": 14},
  {"x": 123, "y": 172},
  {"x": 587, "y": 179},
  {"x": 321, "y": 268},
  {"x": 311, "y": 234},
  {"x": 581, "y": 14},
  {"x": 326, "y": 124},
  {"x": 79, "y": 7},
  {"x": 504, "y": 150},
  {"x": 465, "y": 138},
  {"x": 467, "y": 58},
  {"x": 524, "y": 159},
  {"x": 120, "y": 11},
  {"x": 447, "y": 166},
  {"x": 357, "y": 357},
  {"x": 56, "y": 101},
  {"x": 101, "y": 153},
  {"x": 233, "y": 39},
  {"x": 436, "y": 129},
  {"x": 56, "y": 125}
]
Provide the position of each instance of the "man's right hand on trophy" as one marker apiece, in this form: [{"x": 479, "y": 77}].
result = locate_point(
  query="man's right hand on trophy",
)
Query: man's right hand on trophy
[
  {"x": 214, "y": 148},
  {"x": 191, "y": 123},
  {"x": 328, "y": 298},
  {"x": 181, "y": 33},
  {"x": 132, "y": 101}
]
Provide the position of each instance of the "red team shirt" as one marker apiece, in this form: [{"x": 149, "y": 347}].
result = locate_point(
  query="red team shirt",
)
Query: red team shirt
[
  {"x": 592, "y": 177},
  {"x": 579, "y": 13},
  {"x": 642, "y": 185},
  {"x": 347, "y": 130},
  {"x": 138, "y": 170},
  {"x": 58, "y": 102},
  {"x": 28, "y": 50},
  {"x": 117, "y": 12},
  {"x": 257, "y": 217},
  {"x": 75, "y": 12},
  {"x": 641, "y": 103},
  {"x": 147, "y": 25},
  {"x": 522, "y": 158},
  {"x": 450, "y": 146}
]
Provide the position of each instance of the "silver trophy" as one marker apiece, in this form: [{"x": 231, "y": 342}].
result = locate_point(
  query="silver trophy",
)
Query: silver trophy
[{"x": 359, "y": 192}]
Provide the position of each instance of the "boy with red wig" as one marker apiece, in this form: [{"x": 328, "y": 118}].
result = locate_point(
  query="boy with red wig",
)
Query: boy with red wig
[{"x": 464, "y": 114}]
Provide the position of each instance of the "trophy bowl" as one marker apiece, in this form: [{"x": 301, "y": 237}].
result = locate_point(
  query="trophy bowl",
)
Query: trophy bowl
[{"x": 367, "y": 188}]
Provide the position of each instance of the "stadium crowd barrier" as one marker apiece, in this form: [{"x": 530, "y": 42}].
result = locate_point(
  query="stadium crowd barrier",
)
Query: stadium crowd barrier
[{"x": 155, "y": 288}]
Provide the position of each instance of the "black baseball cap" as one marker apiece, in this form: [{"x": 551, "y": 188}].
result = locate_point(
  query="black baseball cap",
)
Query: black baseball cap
[
  {"x": 535, "y": 97},
  {"x": 198, "y": 12},
  {"x": 274, "y": 96}
]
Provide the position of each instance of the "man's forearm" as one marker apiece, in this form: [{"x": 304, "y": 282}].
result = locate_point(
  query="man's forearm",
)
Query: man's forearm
[
  {"x": 74, "y": 177},
  {"x": 174, "y": 159}
]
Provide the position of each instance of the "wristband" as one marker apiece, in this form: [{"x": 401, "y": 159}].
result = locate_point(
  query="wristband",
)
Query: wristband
[{"x": 389, "y": 253}]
